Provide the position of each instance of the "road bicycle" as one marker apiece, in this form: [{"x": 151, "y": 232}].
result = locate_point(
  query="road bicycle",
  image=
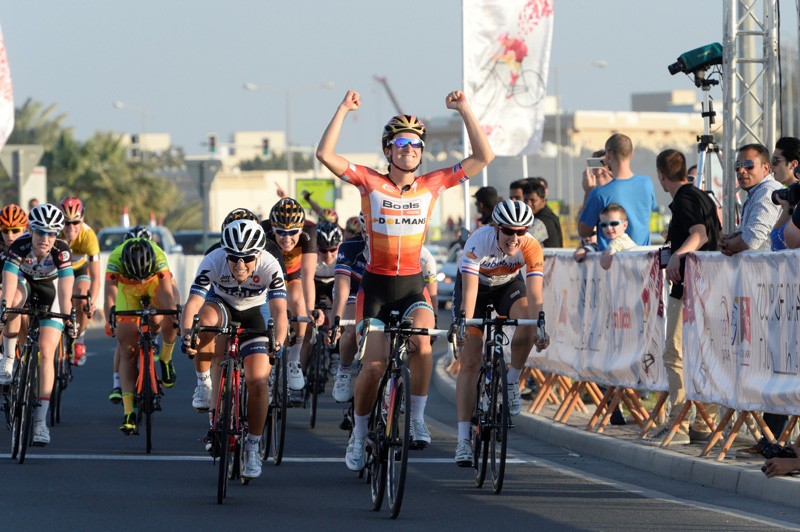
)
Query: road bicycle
[
  {"x": 229, "y": 422},
  {"x": 148, "y": 392},
  {"x": 491, "y": 419},
  {"x": 389, "y": 437},
  {"x": 316, "y": 369},
  {"x": 24, "y": 389}
]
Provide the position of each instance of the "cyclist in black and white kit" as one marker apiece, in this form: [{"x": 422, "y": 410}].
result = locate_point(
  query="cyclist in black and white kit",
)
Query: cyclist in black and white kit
[
  {"x": 44, "y": 262},
  {"x": 243, "y": 277}
]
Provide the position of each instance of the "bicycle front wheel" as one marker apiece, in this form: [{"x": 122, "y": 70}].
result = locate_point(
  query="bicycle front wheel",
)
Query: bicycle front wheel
[
  {"x": 17, "y": 409},
  {"x": 148, "y": 395},
  {"x": 29, "y": 401},
  {"x": 499, "y": 416},
  {"x": 313, "y": 380},
  {"x": 223, "y": 428},
  {"x": 480, "y": 437},
  {"x": 399, "y": 424},
  {"x": 278, "y": 410}
]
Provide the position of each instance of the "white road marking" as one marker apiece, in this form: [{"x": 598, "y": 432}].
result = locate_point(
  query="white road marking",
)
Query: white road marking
[{"x": 205, "y": 458}]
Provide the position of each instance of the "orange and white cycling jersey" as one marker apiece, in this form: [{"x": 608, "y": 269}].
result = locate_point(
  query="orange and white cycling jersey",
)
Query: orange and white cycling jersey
[
  {"x": 398, "y": 218},
  {"x": 483, "y": 257}
]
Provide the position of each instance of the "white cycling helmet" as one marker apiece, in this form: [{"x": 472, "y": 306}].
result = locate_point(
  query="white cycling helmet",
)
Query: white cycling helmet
[
  {"x": 46, "y": 217},
  {"x": 243, "y": 237},
  {"x": 512, "y": 212}
]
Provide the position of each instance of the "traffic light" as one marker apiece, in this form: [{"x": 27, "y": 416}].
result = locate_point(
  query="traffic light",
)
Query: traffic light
[
  {"x": 212, "y": 143},
  {"x": 265, "y": 147}
]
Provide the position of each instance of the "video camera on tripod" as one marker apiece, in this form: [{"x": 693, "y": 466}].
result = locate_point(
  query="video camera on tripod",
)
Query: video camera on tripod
[{"x": 697, "y": 60}]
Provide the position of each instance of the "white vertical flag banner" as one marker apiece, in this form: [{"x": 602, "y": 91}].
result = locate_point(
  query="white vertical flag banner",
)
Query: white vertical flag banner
[
  {"x": 6, "y": 95},
  {"x": 506, "y": 59}
]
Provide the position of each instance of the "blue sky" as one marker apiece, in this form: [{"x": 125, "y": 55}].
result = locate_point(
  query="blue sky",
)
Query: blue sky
[{"x": 185, "y": 61}]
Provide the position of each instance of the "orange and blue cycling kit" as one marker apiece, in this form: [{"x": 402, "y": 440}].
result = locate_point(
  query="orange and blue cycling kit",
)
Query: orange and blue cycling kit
[{"x": 397, "y": 218}]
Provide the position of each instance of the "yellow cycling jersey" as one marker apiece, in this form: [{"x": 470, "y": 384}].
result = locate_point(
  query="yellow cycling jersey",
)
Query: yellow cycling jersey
[{"x": 84, "y": 247}]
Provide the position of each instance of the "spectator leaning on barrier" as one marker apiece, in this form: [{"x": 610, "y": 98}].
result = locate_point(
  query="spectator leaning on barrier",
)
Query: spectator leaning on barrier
[
  {"x": 694, "y": 227},
  {"x": 537, "y": 200},
  {"x": 634, "y": 192},
  {"x": 785, "y": 161},
  {"x": 613, "y": 222},
  {"x": 759, "y": 214}
]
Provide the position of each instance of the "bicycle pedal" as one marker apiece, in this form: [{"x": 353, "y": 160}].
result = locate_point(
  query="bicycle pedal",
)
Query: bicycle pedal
[{"x": 346, "y": 424}]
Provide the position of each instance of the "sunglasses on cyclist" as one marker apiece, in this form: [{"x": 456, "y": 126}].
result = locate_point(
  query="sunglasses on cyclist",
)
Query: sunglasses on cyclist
[
  {"x": 612, "y": 223},
  {"x": 12, "y": 230},
  {"x": 42, "y": 233},
  {"x": 508, "y": 231},
  {"x": 247, "y": 259},
  {"x": 328, "y": 250},
  {"x": 75, "y": 222},
  {"x": 747, "y": 165},
  {"x": 402, "y": 142},
  {"x": 286, "y": 232}
]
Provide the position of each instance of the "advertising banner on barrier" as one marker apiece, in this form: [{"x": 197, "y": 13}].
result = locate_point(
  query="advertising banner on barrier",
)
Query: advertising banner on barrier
[
  {"x": 741, "y": 331},
  {"x": 605, "y": 325}
]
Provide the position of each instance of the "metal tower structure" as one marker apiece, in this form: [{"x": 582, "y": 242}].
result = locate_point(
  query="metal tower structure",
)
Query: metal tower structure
[{"x": 750, "y": 85}]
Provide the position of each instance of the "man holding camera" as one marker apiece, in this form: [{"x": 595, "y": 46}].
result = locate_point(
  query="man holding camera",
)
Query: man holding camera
[{"x": 759, "y": 213}]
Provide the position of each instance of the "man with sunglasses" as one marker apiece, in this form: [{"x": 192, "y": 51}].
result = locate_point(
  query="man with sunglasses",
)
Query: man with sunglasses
[
  {"x": 231, "y": 284},
  {"x": 397, "y": 207},
  {"x": 759, "y": 214},
  {"x": 785, "y": 168},
  {"x": 43, "y": 262},
  {"x": 85, "y": 250},
  {"x": 489, "y": 274},
  {"x": 297, "y": 238}
]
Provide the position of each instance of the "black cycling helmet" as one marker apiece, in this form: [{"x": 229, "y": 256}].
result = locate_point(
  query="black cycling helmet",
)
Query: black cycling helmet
[
  {"x": 239, "y": 214},
  {"x": 139, "y": 231},
  {"x": 287, "y": 214},
  {"x": 328, "y": 235},
  {"x": 138, "y": 259}
]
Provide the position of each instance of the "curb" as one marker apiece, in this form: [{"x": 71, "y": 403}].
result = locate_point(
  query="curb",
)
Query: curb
[{"x": 748, "y": 481}]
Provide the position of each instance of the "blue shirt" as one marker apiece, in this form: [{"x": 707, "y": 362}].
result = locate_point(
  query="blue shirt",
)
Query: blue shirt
[{"x": 635, "y": 195}]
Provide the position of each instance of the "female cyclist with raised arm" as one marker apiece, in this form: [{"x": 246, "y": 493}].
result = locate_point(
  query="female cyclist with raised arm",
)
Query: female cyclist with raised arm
[{"x": 397, "y": 207}]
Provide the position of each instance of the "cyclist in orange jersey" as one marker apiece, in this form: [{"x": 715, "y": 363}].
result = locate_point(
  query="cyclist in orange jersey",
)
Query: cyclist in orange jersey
[
  {"x": 397, "y": 207},
  {"x": 13, "y": 224}
]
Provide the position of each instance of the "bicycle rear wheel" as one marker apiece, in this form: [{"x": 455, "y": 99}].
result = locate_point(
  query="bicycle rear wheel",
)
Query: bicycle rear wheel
[
  {"x": 224, "y": 430},
  {"x": 500, "y": 419},
  {"x": 29, "y": 401},
  {"x": 148, "y": 394},
  {"x": 399, "y": 424},
  {"x": 55, "y": 397},
  {"x": 480, "y": 437},
  {"x": 375, "y": 452},
  {"x": 278, "y": 409}
]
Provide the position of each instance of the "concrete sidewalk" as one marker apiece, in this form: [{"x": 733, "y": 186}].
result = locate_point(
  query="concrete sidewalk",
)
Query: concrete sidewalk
[{"x": 621, "y": 444}]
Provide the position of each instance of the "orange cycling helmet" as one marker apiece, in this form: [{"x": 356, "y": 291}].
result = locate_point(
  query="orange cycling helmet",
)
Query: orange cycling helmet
[
  {"x": 13, "y": 216},
  {"x": 398, "y": 124},
  {"x": 287, "y": 214},
  {"x": 72, "y": 208}
]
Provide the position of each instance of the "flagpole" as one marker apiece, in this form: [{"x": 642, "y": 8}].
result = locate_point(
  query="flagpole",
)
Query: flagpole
[
  {"x": 524, "y": 166},
  {"x": 464, "y": 138}
]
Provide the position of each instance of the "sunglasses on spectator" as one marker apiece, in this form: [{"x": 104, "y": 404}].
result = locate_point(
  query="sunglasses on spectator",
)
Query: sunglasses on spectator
[
  {"x": 747, "y": 165},
  {"x": 775, "y": 160},
  {"x": 42, "y": 233},
  {"x": 12, "y": 230},
  {"x": 247, "y": 259},
  {"x": 328, "y": 250},
  {"x": 509, "y": 232},
  {"x": 402, "y": 142},
  {"x": 286, "y": 232},
  {"x": 612, "y": 223},
  {"x": 75, "y": 222}
]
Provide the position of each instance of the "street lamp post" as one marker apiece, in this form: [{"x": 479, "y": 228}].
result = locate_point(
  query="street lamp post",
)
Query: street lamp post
[
  {"x": 557, "y": 94},
  {"x": 143, "y": 112},
  {"x": 288, "y": 106}
]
